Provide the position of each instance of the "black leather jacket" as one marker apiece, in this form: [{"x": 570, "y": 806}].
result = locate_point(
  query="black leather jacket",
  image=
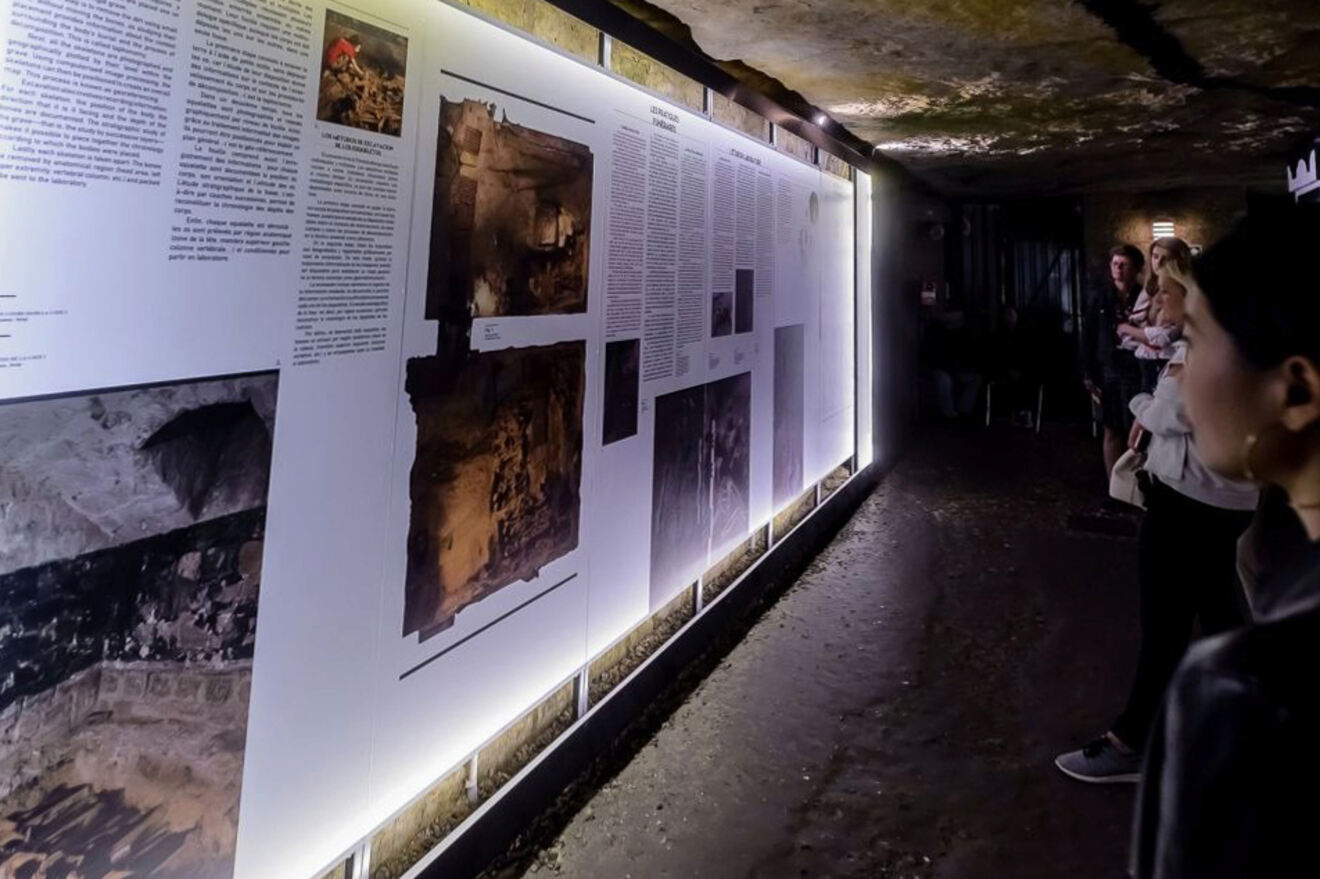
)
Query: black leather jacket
[{"x": 1231, "y": 785}]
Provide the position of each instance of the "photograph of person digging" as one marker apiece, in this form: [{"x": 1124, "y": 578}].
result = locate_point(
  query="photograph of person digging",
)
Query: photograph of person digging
[{"x": 362, "y": 75}]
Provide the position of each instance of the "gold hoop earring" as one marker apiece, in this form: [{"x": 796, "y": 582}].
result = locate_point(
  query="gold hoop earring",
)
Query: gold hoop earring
[{"x": 1248, "y": 446}]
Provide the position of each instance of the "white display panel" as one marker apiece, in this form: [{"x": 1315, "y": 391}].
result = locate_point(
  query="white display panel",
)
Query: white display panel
[
  {"x": 546, "y": 345},
  {"x": 865, "y": 358}
]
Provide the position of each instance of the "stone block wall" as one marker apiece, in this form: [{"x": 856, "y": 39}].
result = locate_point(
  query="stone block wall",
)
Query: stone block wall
[
  {"x": 739, "y": 118},
  {"x": 790, "y": 143},
  {"x": 549, "y": 23},
  {"x": 832, "y": 164},
  {"x": 651, "y": 74},
  {"x": 419, "y": 828},
  {"x": 115, "y": 694},
  {"x": 1200, "y": 217}
]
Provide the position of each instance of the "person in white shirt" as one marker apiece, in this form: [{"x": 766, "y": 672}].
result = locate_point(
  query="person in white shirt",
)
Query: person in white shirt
[
  {"x": 1186, "y": 557},
  {"x": 1148, "y": 332}
]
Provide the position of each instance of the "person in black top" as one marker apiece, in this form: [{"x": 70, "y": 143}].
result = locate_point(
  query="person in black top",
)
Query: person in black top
[
  {"x": 1111, "y": 374},
  {"x": 1231, "y": 785}
]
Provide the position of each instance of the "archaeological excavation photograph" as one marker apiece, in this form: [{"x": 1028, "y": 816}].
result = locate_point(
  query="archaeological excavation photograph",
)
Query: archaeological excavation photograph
[
  {"x": 622, "y": 377},
  {"x": 511, "y": 219},
  {"x": 131, "y": 537},
  {"x": 496, "y": 477},
  {"x": 788, "y": 417},
  {"x": 700, "y": 478},
  {"x": 743, "y": 300},
  {"x": 363, "y": 75}
]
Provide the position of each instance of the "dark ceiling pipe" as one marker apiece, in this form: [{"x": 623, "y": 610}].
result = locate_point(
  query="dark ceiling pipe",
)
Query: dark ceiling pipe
[{"x": 1135, "y": 25}]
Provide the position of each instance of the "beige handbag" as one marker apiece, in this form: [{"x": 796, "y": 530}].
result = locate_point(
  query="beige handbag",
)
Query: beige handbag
[{"x": 1123, "y": 483}]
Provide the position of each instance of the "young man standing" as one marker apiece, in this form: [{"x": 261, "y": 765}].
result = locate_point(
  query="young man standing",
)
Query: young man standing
[{"x": 1111, "y": 374}]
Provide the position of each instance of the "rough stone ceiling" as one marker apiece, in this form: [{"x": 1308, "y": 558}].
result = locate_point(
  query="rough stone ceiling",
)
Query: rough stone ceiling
[{"x": 1017, "y": 96}]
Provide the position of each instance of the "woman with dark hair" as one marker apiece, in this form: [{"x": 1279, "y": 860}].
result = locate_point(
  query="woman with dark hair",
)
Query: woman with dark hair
[{"x": 1231, "y": 786}]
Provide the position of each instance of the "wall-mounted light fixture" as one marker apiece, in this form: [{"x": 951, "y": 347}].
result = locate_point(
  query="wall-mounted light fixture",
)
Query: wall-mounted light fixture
[{"x": 1162, "y": 229}]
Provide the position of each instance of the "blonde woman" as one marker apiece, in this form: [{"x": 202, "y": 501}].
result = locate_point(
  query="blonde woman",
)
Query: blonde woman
[{"x": 1148, "y": 333}]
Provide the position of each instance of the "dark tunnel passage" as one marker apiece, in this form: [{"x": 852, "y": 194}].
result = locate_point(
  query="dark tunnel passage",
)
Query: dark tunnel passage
[{"x": 897, "y": 711}]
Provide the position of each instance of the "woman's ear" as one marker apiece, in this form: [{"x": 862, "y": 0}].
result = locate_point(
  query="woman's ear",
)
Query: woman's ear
[{"x": 1301, "y": 407}]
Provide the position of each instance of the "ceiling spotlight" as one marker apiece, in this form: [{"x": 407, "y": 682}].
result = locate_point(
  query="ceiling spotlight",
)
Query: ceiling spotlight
[
  {"x": 1162, "y": 229},
  {"x": 821, "y": 119}
]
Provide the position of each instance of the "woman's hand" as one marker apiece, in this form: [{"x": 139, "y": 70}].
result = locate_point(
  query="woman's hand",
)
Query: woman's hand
[
  {"x": 1128, "y": 331},
  {"x": 1134, "y": 435}
]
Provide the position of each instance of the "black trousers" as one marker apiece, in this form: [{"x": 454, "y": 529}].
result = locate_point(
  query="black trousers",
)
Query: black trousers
[{"x": 1187, "y": 564}]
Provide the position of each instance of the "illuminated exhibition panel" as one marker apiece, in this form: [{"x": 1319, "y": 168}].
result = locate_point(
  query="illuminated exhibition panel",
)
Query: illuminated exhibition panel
[{"x": 365, "y": 371}]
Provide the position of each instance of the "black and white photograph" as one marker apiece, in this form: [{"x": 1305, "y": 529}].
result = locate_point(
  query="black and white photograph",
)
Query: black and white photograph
[
  {"x": 622, "y": 378},
  {"x": 495, "y": 484},
  {"x": 700, "y": 479},
  {"x": 788, "y": 417},
  {"x": 721, "y": 313},
  {"x": 744, "y": 299}
]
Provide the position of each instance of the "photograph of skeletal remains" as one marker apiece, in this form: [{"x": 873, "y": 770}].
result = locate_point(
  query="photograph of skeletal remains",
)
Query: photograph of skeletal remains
[
  {"x": 622, "y": 384},
  {"x": 131, "y": 535},
  {"x": 496, "y": 477},
  {"x": 743, "y": 300},
  {"x": 788, "y": 417},
  {"x": 363, "y": 75},
  {"x": 511, "y": 219},
  {"x": 700, "y": 479}
]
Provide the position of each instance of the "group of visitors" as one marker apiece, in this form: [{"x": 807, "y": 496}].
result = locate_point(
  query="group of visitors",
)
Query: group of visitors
[
  {"x": 1210, "y": 373},
  {"x": 1131, "y": 333}
]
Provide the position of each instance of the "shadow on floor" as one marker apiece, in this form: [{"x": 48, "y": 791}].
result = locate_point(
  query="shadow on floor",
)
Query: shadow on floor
[{"x": 897, "y": 711}]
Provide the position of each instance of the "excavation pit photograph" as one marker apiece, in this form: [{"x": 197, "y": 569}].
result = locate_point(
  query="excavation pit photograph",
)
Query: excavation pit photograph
[
  {"x": 496, "y": 478},
  {"x": 511, "y": 219},
  {"x": 130, "y": 566}
]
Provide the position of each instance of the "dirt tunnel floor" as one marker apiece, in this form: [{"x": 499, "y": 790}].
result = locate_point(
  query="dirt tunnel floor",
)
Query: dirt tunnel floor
[{"x": 897, "y": 711}]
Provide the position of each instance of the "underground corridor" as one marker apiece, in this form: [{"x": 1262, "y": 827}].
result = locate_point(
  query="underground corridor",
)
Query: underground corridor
[
  {"x": 897, "y": 710},
  {"x": 659, "y": 439}
]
